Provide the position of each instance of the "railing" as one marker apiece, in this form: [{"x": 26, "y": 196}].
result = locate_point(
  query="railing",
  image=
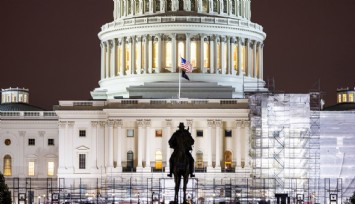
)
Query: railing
[
  {"x": 28, "y": 114},
  {"x": 179, "y": 19}
]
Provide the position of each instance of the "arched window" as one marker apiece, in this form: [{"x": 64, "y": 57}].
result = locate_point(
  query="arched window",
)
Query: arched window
[
  {"x": 199, "y": 160},
  {"x": 228, "y": 159},
  {"x": 204, "y": 6},
  {"x": 7, "y": 165},
  {"x": 130, "y": 159},
  {"x": 158, "y": 160},
  {"x": 225, "y": 6}
]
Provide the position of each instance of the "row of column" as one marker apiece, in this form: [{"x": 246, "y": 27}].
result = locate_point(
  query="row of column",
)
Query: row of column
[
  {"x": 118, "y": 56},
  {"x": 107, "y": 136},
  {"x": 126, "y": 8}
]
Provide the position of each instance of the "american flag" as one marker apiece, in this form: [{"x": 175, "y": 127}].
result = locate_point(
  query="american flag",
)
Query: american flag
[{"x": 185, "y": 65}]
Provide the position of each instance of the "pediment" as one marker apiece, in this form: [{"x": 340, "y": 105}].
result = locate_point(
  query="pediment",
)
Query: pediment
[{"x": 82, "y": 148}]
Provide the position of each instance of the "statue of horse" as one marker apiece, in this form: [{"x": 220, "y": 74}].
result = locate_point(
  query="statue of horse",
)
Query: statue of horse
[{"x": 181, "y": 170}]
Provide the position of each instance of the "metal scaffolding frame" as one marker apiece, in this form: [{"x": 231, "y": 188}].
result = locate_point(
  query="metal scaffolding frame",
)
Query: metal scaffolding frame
[{"x": 285, "y": 143}]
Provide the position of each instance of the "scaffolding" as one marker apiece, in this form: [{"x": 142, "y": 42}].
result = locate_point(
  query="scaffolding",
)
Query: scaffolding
[{"x": 285, "y": 144}]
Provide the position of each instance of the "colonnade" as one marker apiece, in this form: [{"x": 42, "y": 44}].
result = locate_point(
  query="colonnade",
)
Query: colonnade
[
  {"x": 110, "y": 144},
  {"x": 213, "y": 54},
  {"x": 130, "y": 8}
]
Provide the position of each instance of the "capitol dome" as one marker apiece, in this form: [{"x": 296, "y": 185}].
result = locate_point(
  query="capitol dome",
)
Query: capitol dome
[{"x": 142, "y": 47}]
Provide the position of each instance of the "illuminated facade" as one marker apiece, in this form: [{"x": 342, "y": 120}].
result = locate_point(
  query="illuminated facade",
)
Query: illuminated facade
[{"x": 145, "y": 41}]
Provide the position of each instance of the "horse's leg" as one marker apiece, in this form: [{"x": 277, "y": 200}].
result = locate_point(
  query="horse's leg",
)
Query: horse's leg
[
  {"x": 177, "y": 187},
  {"x": 186, "y": 180}
]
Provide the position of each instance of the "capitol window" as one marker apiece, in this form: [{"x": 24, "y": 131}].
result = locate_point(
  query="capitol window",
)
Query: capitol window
[
  {"x": 31, "y": 168},
  {"x": 345, "y": 98},
  {"x": 168, "y": 57},
  {"x": 199, "y": 133},
  {"x": 50, "y": 142},
  {"x": 205, "y": 6},
  {"x": 50, "y": 168},
  {"x": 351, "y": 97},
  {"x": 130, "y": 133},
  {"x": 339, "y": 98},
  {"x": 31, "y": 142},
  {"x": 235, "y": 56},
  {"x": 82, "y": 161},
  {"x": 155, "y": 53},
  {"x": 7, "y": 166},
  {"x": 194, "y": 53},
  {"x": 7, "y": 142},
  {"x": 206, "y": 46},
  {"x": 82, "y": 133}
]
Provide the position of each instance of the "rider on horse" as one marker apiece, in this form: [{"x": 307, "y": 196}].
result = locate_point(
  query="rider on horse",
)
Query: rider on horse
[{"x": 185, "y": 135}]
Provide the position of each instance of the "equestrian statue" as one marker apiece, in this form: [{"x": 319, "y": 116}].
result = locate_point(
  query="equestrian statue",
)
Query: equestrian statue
[{"x": 181, "y": 160}]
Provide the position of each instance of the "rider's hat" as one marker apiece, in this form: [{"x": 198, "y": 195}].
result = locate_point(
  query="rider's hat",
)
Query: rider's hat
[{"x": 181, "y": 126}]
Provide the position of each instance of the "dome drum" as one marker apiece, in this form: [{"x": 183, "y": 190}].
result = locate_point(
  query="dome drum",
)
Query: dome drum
[{"x": 223, "y": 46}]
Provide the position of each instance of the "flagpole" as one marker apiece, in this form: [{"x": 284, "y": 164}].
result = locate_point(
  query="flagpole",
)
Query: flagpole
[{"x": 179, "y": 82}]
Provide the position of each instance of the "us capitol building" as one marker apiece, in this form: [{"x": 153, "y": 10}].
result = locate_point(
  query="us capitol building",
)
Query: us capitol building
[{"x": 250, "y": 144}]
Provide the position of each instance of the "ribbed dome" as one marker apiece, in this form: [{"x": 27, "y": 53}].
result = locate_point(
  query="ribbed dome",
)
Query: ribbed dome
[
  {"x": 19, "y": 107},
  {"x": 147, "y": 38}
]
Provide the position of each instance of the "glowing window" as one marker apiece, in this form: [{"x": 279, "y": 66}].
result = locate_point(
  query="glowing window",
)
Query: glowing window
[
  {"x": 351, "y": 97},
  {"x": 199, "y": 160},
  {"x": 158, "y": 160},
  {"x": 7, "y": 166},
  {"x": 243, "y": 59},
  {"x": 50, "y": 169},
  {"x": 31, "y": 168},
  {"x": 168, "y": 57},
  {"x": 206, "y": 54},
  {"x": 155, "y": 54},
  {"x": 228, "y": 159},
  {"x": 345, "y": 98},
  {"x": 128, "y": 56},
  {"x": 137, "y": 55},
  {"x": 194, "y": 53},
  {"x": 205, "y": 6},
  {"x": 235, "y": 57},
  {"x": 181, "y": 50},
  {"x": 218, "y": 55},
  {"x": 339, "y": 98},
  {"x": 143, "y": 64}
]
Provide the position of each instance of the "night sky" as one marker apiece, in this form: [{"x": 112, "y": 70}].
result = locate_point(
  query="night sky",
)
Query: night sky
[{"x": 52, "y": 48}]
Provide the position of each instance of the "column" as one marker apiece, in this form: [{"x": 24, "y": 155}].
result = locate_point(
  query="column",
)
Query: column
[
  {"x": 254, "y": 61},
  {"x": 62, "y": 144},
  {"x": 249, "y": 58},
  {"x": 71, "y": 156},
  {"x": 238, "y": 143},
  {"x": 93, "y": 146},
  {"x": 146, "y": 53},
  {"x": 162, "y": 7},
  {"x": 230, "y": 7},
  {"x": 212, "y": 66},
  {"x": 261, "y": 61},
  {"x": 148, "y": 138},
  {"x": 210, "y": 124},
  {"x": 103, "y": 51},
  {"x": 219, "y": 147},
  {"x": 199, "y": 6},
  {"x": 210, "y": 6},
  {"x": 114, "y": 9},
  {"x": 109, "y": 161},
  {"x": 157, "y": 70},
  {"x": 229, "y": 56},
  {"x": 113, "y": 58},
  {"x": 133, "y": 60},
  {"x": 124, "y": 8},
  {"x": 173, "y": 52},
  {"x": 246, "y": 126},
  {"x": 188, "y": 47},
  {"x": 151, "y": 6},
  {"x": 215, "y": 71},
  {"x": 22, "y": 143},
  {"x": 240, "y": 69},
  {"x": 223, "y": 54},
  {"x": 139, "y": 55},
  {"x": 122, "y": 55},
  {"x": 150, "y": 54},
  {"x": 101, "y": 155},
  {"x": 202, "y": 52},
  {"x": 140, "y": 139},
  {"x": 107, "y": 61},
  {"x": 119, "y": 138},
  {"x": 167, "y": 135},
  {"x": 237, "y": 7}
]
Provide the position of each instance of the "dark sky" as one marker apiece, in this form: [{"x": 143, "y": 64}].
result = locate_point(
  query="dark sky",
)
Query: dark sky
[{"x": 51, "y": 47}]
